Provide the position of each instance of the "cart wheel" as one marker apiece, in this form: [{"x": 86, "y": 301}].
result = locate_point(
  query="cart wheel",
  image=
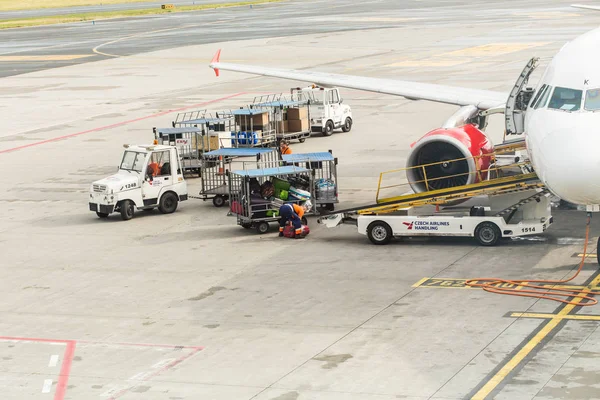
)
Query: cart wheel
[
  {"x": 101, "y": 215},
  {"x": 329, "y": 206},
  {"x": 304, "y": 221},
  {"x": 218, "y": 201},
  {"x": 487, "y": 234},
  {"x": 379, "y": 232},
  {"x": 262, "y": 227},
  {"x": 328, "y": 130},
  {"x": 127, "y": 210},
  {"x": 347, "y": 125},
  {"x": 302, "y": 140}
]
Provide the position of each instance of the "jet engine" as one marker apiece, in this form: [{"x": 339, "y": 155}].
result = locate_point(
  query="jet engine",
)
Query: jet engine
[{"x": 449, "y": 157}]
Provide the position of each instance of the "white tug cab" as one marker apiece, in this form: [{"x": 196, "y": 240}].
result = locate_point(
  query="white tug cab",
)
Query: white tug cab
[{"x": 149, "y": 176}]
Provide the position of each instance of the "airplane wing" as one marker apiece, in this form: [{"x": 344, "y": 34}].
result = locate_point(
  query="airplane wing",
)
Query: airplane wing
[
  {"x": 596, "y": 8},
  {"x": 483, "y": 99}
]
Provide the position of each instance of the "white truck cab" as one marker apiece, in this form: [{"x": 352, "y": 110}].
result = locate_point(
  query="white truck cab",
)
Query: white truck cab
[
  {"x": 149, "y": 176},
  {"x": 326, "y": 109}
]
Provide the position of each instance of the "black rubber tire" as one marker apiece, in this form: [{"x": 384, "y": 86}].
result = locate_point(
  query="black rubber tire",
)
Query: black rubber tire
[
  {"x": 101, "y": 215},
  {"x": 598, "y": 251},
  {"x": 219, "y": 201},
  {"x": 330, "y": 206},
  {"x": 328, "y": 129},
  {"x": 127, "y": 210},
  {"x": 304, "y": 221},
  {"x": 262, "y": 227},
  {"x": 168, "y": 203},
  {"x": 347, "y": 125},
  {"x": 302, "y": 140},
  {"x": 379, "y": 232},
  {"x": 487, "y": 234}
]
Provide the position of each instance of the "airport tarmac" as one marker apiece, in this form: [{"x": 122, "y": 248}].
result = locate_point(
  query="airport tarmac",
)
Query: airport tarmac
[{"x": 191, "y": 306}]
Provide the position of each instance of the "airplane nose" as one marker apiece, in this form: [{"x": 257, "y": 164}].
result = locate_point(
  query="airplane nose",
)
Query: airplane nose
[{"x": 570, "y": 164}]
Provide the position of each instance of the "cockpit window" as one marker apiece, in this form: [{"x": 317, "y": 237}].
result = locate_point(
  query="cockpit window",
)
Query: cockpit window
[
  {"x": 565, "y": 99},
  {"x": 592, "y": 100},
  {"x": 543, "y": 97}
]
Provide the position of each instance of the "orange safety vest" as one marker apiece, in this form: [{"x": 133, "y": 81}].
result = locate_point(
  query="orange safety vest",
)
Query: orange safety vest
[
  {"x": 287, "y": 150},
  {"x": 154, "y": 168},
  {"x": 298, "y": 210}
]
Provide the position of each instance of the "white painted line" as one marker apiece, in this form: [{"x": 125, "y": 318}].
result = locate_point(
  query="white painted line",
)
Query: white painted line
[
  {"x": 47, "y": 386},
  {"x": 53, "y": 360}
]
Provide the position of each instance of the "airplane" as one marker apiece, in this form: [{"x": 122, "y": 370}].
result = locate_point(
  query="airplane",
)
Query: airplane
[{"x": 559, "y": 119}]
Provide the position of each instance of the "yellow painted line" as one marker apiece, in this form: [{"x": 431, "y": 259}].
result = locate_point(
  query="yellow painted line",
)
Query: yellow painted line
[
  {"x": 587, "y": 255},
  {"x": 546, "y": 316},
  {"x": 492, "y": 49},
  {"x": 420, "y": 282},
  {"x": 52, "y": 57},
  {"x": 536, "y": 340}
]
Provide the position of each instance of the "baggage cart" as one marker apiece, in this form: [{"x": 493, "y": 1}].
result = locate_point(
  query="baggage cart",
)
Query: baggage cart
[
  {"x": 324, "y": 166},
  {"x": 252, "y": 128},
  {"x": 253, "y": 207},
  {"x": 218, "y": 128},
  {"x": 190, "y": 141},
  {"x": 292, "y": 117},
  {"x": 215, "y": 165}
]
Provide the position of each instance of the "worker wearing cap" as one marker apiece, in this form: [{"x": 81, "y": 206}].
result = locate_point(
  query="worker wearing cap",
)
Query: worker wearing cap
[
  {"x": 293, "y": 213},
  {"x": 284, "y": 147}
]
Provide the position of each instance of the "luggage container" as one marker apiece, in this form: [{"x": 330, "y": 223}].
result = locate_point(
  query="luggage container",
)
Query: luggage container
[
  {"x": 217, "y": 128},
  {"x": 257, "y": 203},
  {"x": 324, "y": 166},
  {"x": 215, "y": 165}
]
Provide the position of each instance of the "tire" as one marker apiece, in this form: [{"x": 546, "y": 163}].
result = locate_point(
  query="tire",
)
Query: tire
[
  {"x": 328, "y": 130},
  {"x": 101, "y": 215},
  {"x": 168, "y": 203},
  {"x": 304, "y": 221},
  {"x": 262, "y": 227},
  {"x": 379, "y": 232},
  {"x": 329, "y": 206},
  {"x": 302, "y": 140},
  {"x": 127, "y": 210},
  {"x": 598, "y": 251},
  {"x": 487, "y": 234},
  {"x": 347, "y": 125},
  {"x": 218, "y": 201}
]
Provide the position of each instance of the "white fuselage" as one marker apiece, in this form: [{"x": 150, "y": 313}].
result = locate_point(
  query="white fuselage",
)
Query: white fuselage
[{"x": 562, "y": 128}]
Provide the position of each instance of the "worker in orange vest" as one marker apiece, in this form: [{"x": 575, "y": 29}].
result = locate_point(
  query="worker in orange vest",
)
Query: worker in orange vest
[
  {"x": 284, "y": 147},
  {"x": 293, "y": 213}
]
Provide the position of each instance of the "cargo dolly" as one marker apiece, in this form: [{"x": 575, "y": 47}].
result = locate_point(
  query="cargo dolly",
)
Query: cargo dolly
[{"x": 292, "y": 116}]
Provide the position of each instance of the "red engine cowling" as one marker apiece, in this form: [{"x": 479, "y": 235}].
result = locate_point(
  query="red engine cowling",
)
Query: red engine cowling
[{"x": 442, "y": 147}]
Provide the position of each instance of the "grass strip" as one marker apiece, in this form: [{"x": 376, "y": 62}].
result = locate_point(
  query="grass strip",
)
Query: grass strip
[
  {"x": 95, "y": 16},
  {"x": 20, "y": 5}
]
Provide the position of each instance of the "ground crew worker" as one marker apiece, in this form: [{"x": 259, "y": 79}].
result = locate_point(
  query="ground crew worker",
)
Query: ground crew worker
[
  {"x": 284, "y": 147},
  {"x": 291, "y": 212}
]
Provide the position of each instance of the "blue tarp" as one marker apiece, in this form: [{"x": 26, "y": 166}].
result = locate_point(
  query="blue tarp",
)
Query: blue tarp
[
  {"x": 246, "y": 111},
  {"x": 287, "y": 170},
  {"x": 174, "y": 131},
  {"x": 201, "y": 121},
  {"x": 311, "y": 157},
  {"x": 234, "y": 152}
]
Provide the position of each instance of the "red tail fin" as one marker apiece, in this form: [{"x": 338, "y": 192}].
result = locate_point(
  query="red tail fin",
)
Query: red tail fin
[{"x": 216, "y": 60}]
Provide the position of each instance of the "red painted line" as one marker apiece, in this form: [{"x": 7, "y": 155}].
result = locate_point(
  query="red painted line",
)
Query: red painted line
[
  {"x": 158, "y": 372},
  {"x": 102, "y": 128},
  {"x": 65, "y": 370},
  {"x": 167, "y": 346}
]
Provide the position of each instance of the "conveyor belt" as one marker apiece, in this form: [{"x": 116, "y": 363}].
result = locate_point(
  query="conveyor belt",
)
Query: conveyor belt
[{"x": 441, "y": 196}]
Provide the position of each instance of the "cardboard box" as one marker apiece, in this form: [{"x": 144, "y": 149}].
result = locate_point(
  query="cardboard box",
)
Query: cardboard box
[
  {"x": 298, "y": 125},
  {"x": 205, "y": 142},
  {"x": 297, "y": 113},
  {"x": 282, "y": 126},
  {"x": 259, "y": 119}
]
